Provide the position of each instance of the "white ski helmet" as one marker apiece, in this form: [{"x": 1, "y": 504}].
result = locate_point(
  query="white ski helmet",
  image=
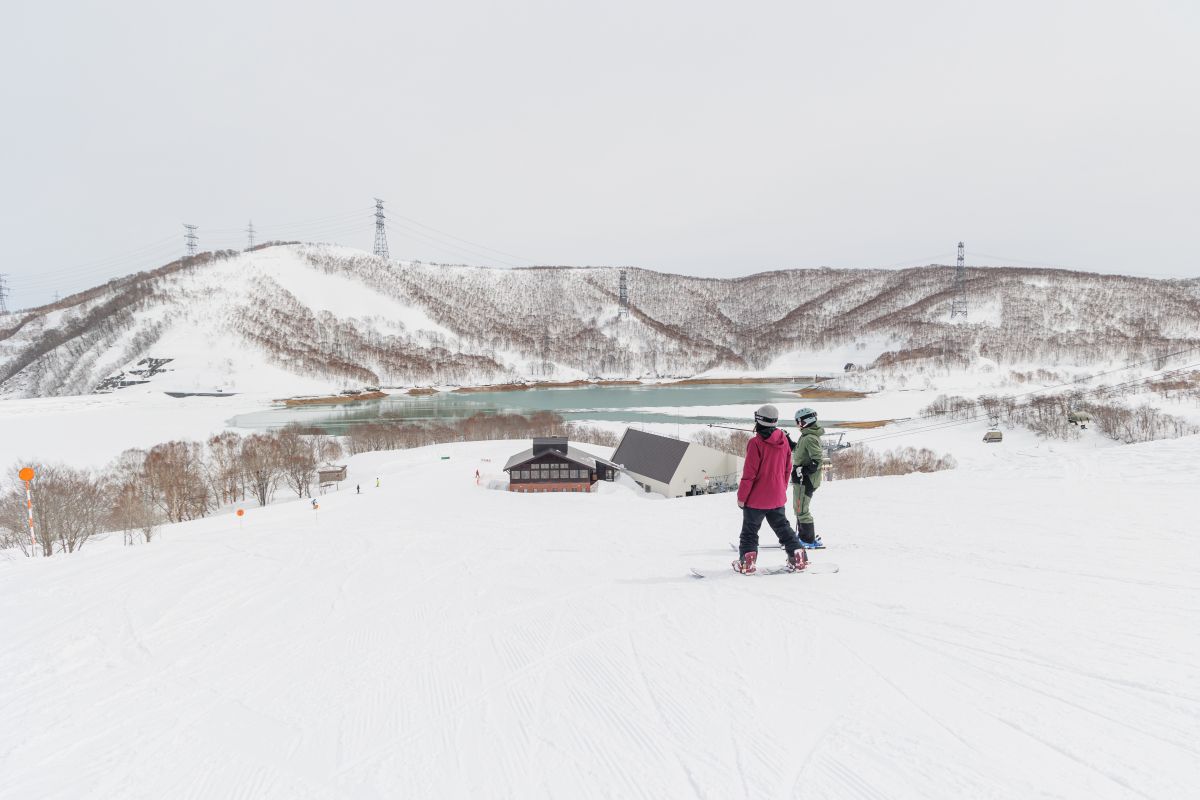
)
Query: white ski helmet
[
  {"x": 805, "y": 417},
  {"x": 767, "y": 415}
]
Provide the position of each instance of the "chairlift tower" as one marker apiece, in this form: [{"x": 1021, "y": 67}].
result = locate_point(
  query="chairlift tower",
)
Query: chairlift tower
[
  {"x": 381, "y": 247},
  {"x": 250, "y": 235},
  {"x": 547, "y": 366},
  {"x": 959, "y": 304}
]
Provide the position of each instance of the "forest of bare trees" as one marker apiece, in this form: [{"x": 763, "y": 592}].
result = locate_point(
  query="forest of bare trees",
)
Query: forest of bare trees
[
  {"x": 171, "y": 482},
  {"x": 1049, "y": 415}
]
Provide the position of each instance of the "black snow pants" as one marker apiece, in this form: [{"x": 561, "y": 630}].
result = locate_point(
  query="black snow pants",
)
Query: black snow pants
[{"x": 752, "y": 519}]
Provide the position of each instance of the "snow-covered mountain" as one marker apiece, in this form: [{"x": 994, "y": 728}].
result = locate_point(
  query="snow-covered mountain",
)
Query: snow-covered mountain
[{"x": 298, "y": 318}]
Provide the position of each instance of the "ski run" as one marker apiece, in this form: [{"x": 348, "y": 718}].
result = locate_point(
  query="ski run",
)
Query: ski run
[{"x": 1024, "y": 626}]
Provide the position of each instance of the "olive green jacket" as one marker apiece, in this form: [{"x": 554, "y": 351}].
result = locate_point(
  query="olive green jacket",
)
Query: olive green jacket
[{"x": 808, "y": 453}]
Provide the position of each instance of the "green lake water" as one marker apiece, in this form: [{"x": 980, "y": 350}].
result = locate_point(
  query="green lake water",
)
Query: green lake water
[{"x": 628, "y": 404}]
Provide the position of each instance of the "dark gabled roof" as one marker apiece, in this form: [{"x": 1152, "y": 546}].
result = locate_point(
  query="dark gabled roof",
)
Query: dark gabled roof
[
  {"x": 650, "y": 455},
  {"x": 573, "y": 454}
]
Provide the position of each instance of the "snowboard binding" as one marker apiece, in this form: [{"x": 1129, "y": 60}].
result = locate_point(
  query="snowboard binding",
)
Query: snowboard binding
[{"x": 747, "y": 565}]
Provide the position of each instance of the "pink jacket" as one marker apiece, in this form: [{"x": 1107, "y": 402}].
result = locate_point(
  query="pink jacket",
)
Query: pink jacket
[{"x": 766, "y": 472}]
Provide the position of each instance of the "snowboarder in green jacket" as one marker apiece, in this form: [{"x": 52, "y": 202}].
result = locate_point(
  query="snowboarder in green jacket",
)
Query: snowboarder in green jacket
[{"x": 806, "y": 476}]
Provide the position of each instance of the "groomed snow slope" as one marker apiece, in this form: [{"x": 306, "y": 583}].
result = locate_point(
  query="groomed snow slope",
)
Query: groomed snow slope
[{"x": 1025, "y": 630}]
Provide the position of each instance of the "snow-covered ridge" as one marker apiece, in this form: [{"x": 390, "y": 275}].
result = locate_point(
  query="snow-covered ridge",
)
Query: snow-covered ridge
[{"x": 308, "y": 318}]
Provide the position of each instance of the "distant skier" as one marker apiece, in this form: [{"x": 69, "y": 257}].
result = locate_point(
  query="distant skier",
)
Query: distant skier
[
  {"x": 763, "y": 492},
  {"x": 358, "y": 488},
  {"x": 806, "y": 476},
  {"x": 377, "y": 483}
]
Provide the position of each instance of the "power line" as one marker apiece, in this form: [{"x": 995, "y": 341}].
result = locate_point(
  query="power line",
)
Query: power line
[
  {"x": 3, "y": 293},
  {"x": 1049, "y": 264},
  {"x": 161, "y": 255},
  {"x": 161, "y": 251},
  {"x": 310, "y": 233},
  {"x": 154, "y": 258},
  {"x": 921, "y": 262},
  {"x": 341, "y": 215},
  {"x": 250, "y": 235},
  {"x": 450, "y": 247},
  {"x": 158, "y": 244},
  {"x": 465, "y": 241}
]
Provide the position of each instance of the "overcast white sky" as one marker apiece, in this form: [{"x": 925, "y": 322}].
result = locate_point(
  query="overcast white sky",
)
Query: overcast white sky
[{"x": 705, "y": 138}]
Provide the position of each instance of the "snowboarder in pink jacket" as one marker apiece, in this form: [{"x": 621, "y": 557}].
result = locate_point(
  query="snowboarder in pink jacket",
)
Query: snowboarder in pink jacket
[{"x": 762, "y": 493}]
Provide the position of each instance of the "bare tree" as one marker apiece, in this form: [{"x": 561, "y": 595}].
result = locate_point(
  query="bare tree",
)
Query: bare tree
[
  {"x": 134, "y": 512},
  {"x": 261, "y": 465},
  {"x": 175, "y": 472},
  {"x": 225, "y": 474},
  {"x": 328, "y": 449},
  {"x": 132, "y": 509},
  {"x": 298, "y": 459},
  {"x": 14, "y": 515}
]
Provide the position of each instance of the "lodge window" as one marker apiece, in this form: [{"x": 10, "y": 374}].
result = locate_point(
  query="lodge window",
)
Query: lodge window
[{"x": 555, "y": 472}]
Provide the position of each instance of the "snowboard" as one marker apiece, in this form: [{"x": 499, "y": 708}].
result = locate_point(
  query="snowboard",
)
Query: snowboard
[{"x": 823, "y": 568}]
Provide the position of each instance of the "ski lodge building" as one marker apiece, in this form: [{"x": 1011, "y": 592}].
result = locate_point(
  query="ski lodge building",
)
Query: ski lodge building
[
  {"x": 552, "y": 465},
  {"x": 675, "y": 468}
]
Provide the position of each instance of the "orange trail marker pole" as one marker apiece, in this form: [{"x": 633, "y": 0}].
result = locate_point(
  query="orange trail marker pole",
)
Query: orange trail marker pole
[{"x": 26, "y": 474}]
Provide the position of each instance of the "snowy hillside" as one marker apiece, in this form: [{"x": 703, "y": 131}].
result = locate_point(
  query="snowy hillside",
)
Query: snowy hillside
[
  {"x": 431, "y": 638},
  {"x": 302, "y": 318}
]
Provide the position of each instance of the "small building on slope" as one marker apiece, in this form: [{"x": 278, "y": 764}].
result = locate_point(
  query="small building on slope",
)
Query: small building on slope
[
  {"x": 552, "y": 465},
  {"x": 675, "y": 468}
]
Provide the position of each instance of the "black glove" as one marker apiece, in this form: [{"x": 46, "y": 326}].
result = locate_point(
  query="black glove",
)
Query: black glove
[{"x": 797, "y": 474}]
